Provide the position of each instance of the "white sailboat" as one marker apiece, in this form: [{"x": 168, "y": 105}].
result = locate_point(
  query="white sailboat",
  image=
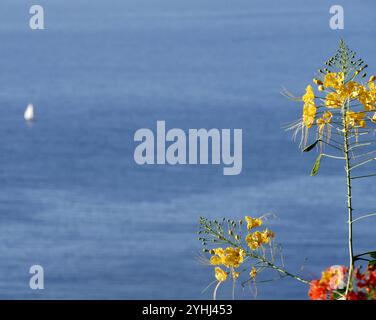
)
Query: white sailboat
[{"x": 29, "y": 112}]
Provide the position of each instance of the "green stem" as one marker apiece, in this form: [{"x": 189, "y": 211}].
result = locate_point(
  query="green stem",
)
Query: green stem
[
  {"x": 280, "y": 270},
  {"x": 349, "y": 199}
]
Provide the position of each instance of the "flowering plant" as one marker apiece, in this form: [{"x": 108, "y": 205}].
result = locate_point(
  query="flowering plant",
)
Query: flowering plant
[
  {"x": 342, "y": 116},
  {"x": 339, "y": 116},
  {"x": 240, "y": 248},
  {"x": 333, "y": 281}
]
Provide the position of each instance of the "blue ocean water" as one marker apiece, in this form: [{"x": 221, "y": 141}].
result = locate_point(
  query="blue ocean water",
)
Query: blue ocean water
[{"x": 73, "y": 200}]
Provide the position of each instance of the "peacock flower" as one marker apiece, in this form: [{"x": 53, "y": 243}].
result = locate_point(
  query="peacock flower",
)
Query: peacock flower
[
  {"x": 325, "y": 119},
  {"x": 351, "y": 90},
  {"x": 220, "y": 274},
  {"x": 257, "y": 239},
  {"x": 230, "y": 257},
  {"x": 215, "y": 261},
  {"x": 309, "y": 114},
  {"x": 368, "y": 97},
  {"x": 333, "y": 100},
  {"x": 254, "y": 240},
  {"x": 317, "y": 291},
  {"x": 355, "y": 119},
  {"x": 253, "y": 273},
  {"x": 332, "y": 279},
  {"x": 372, "y": 88},
  {"x": 219, "y": 251},
  {"x": 266, "y": 235},
  {"x": 253, "y": 222},
  {"x": 334, "y": 80},
  {"x": 233, "y": 257},
  {"x": 235, "y": 275},
  {"x": 309, "y": 95},
  {"x": 337, "y": 277}
]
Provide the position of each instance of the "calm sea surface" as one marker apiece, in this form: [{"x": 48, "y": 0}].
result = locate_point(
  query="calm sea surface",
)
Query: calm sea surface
[{"x": 73, "y": 200}]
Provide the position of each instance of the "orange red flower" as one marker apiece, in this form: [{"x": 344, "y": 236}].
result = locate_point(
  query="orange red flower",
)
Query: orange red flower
[{"x": 332, "y": 285}]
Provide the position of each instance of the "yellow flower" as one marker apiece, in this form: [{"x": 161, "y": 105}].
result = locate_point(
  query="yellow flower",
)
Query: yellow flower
[
  {"x": 309, "y": 108},
  {"x": 309, "y": 113},
  {"x": 233, "y": 257},
  {"x": 220, "y": 275},
  {"x": 309, "y": 95},
  {"x": 334, "y": 80},
  {"x": 320, "y": 122},
  {"x": 215, "y": 261},
  {"x": 219, "y": 251},
  {"x": 355, "y": 119},
  {"x": 333, "y": 100},
  {"x": 367, "y": 101},
  {"x": 253, "y": 245},
  {"x": 341, "y": 77},
  {"x": 266, "y": 235},
  {"x": 235, "y": 275},
  {"x": 327, "y": 116},
  {"x": 368, "y": 97},
  {"x": 254, "y": 240},
  {"x": 253, "y": 273},
  {"x": 230, "y": 257},
  {"x": 351, "y": 90},
  {"x": 372, "y": 78},
  {"x": 325, "y": 119},
  {"x": 253, "y": 222}
]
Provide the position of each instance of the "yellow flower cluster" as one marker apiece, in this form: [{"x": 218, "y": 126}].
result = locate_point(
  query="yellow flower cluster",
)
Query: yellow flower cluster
[
  {"x": 229, "y": 257},
  {"x": 368, "y": 97},
  {"x": 338, "y": 92},
  {"x": 334, "y": 80},
  {"x": 355, "y": 119},
  {"x": 220, "y": 274},
  {"x": 227, "y": 260},
  {"x": 348, "y": 91},
  {"x": 252, "y": 222},
  {"x": 309, "y": 108},
  {"x": 253, "y": 273},
  {"x": 325, "y": 119},
  {"x": 257, "y": 238}
]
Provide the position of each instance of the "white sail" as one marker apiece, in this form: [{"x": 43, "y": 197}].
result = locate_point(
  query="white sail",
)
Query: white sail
[{"x": 29, "y": 113}]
